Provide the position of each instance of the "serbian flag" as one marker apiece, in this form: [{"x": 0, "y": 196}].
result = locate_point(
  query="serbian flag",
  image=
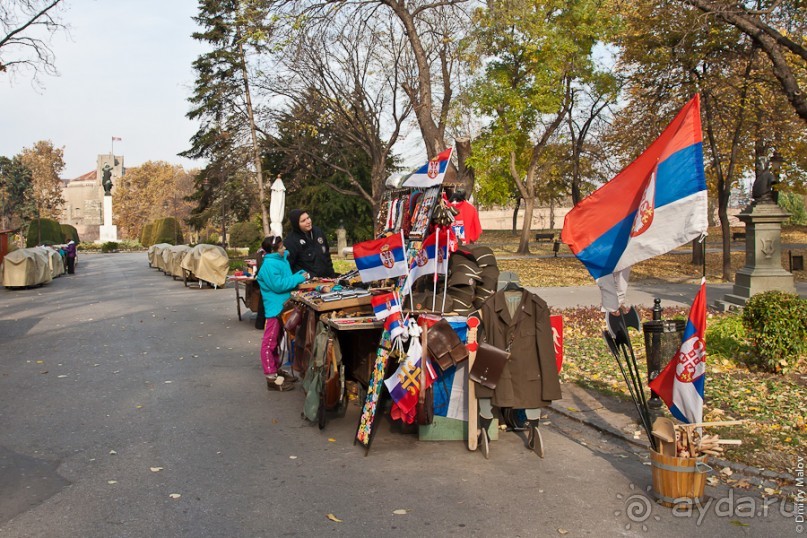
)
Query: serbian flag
[
  {"x": 680, "y": 384},
  {"x": 432, "y": 257},
  {"x": 380, "y": 258},
  {"x": 117, "y": 139},
  {"x": 657, "y": 203},
  {"x": 384, "y": 305},
  {"x": 431, "y": 173},
  {"x": 394, "y": 323}
]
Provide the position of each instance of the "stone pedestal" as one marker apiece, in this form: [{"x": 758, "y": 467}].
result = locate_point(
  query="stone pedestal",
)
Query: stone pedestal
[
  {"x": 108, "y": 231},
  {"x": 763, "y": 255}
]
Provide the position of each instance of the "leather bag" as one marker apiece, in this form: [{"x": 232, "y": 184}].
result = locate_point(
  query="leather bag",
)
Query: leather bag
[
  {"x": 445, "y": 346},
  {"x": 292, "y": 317},
  {"x": 488, "y": 365}
]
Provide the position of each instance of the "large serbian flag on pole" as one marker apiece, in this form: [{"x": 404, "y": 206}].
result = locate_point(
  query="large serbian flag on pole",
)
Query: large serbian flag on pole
[
  {"x": 432, "y": 257},
  {"x": 431, "y": 173},
  {"x": 380, "y": 258},
  {"x": 657, "y": 203},
  {"x": 680, "y": 385}
]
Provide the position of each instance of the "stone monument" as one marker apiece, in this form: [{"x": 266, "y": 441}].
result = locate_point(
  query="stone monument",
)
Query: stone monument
[
  {"x": 763, "y": 269},
  {"x": 108, "y": 231}
]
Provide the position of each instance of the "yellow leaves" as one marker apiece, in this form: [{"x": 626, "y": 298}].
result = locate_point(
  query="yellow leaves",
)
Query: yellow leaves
[
  {"x": 334, "y": 518},
  {"x": 175, "y": 495}
]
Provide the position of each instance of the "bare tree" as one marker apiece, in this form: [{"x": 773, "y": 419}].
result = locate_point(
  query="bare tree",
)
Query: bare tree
[
  {"x": 343, "y": 76},
  {"x": 26, "y": 27}
]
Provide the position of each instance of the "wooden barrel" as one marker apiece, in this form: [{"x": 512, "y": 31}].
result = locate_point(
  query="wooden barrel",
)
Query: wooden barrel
[{"x": 678, "y": 481}]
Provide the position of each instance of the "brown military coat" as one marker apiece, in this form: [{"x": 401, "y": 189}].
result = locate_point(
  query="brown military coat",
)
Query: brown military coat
[{"x": 530, "y": 378}]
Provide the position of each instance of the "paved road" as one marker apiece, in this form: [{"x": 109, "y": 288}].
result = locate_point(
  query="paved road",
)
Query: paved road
[{"x": 120, "y": 387}]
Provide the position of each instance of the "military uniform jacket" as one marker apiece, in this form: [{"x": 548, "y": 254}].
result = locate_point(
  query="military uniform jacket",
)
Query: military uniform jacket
[{"x": 530, "y": 378}]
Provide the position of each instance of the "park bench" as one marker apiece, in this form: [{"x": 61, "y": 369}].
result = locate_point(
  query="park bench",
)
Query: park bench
[
  {"x": 737, "y": 236},
  {"x": 545, "y": 236}
]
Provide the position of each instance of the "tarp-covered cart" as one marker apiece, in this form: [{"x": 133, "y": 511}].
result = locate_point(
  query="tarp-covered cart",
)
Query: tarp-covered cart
[
  {"x": 26, "y": 267},
  {"x": 206, "y": 263}
]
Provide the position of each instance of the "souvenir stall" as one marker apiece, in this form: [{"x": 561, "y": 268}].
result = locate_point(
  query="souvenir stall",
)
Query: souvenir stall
[{"x": 419, "y": 286}]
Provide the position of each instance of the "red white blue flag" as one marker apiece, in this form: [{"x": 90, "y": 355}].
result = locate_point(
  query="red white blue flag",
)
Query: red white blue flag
[
  {"x": 431, "y": 173},
  {"x": 384, "y": 305},
  {"x": 657, "y": 203},
  {"x": 380, "y": 258},
  {"x": 680, "y": 385},
  {"x": 432, "y": 257}
]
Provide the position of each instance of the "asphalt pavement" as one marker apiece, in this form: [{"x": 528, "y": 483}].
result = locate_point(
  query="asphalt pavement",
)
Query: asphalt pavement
[{"x": 131, "y": 405}]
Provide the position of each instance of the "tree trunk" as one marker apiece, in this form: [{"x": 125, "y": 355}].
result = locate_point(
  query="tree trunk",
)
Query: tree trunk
[
  {"x": 515, "y": 214},
  {"x": 526, "y": 228},
  {"x": 465, "y": 174},
  {"x": 256, "y": 152}
]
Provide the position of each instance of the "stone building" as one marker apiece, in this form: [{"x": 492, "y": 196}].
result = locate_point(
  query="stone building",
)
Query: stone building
[{"x": 84, "y": 196}]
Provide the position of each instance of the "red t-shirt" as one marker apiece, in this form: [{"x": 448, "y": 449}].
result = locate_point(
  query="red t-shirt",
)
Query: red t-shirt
[{"x": 466, "y": 223}]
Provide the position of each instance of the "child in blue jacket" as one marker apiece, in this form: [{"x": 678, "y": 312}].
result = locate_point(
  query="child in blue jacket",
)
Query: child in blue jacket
[{"x": 276, "y": 282}]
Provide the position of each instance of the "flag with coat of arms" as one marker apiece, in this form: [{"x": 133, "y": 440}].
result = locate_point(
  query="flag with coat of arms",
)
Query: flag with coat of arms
[
  {"x": 432, "y": 257},
  {"x": 431, "y": 173},
  {"x": 404, "y": 385},
  {"x": 681, "y": 384},
  {"x": 379, "y": 259}
]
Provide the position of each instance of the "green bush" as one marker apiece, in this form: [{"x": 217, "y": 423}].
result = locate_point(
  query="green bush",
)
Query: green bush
[
  {"x": 793, "y": 204},
  {"x": 44, "y": 232},
  {"x": 88, "y": 247},
  {"x": 726, "y": 336},
  {"x": 166, "y": 230},
  {"x": 777, "y": 328},
  {"x": 145, "y": 235},
  {"x": 110, "y": 246},
  {"x": 245, "y": 235},
  {"x": 69, "y": 233}
]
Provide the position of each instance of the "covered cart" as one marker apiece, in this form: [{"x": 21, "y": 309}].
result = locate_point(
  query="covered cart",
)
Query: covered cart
[
  {"x": 206, "y": 263},
  {"x": 172, "y": 259},
  {"x": 155, "y": 255},
  {"x": 25, "y": 267}
]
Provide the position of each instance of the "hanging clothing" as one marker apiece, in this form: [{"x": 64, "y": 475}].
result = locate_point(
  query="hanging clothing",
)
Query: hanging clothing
[
  {"x": 530, "y": 378},
  {"x": 466, "y": 223}
]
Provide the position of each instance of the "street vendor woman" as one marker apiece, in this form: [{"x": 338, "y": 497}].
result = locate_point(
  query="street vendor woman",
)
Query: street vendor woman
[{"x": 308, "y": 247}]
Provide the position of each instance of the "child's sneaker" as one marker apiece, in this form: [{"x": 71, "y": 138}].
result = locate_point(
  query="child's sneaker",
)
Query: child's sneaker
[{"x": 279, "y": 383}]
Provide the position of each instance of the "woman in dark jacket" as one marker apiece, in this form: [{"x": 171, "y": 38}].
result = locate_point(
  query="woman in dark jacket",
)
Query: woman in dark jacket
[{"x": 308, "y": 247}]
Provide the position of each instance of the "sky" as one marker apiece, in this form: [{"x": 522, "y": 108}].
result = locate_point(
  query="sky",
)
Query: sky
[{"x": 125, "y": 71}]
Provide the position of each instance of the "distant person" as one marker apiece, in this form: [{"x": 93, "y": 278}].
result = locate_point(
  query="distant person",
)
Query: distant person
[
  {"x": 276, "y": 281},
  {"x": 308, "y": 247},
  {"x": 466, "y": 223},
  {"x": 70, "y": 256},
  {"x": 260, "y": 319}
]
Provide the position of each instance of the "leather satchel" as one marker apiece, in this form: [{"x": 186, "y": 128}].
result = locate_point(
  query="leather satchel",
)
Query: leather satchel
[
  {"x": 488, "y": 365},
  {"x": 292, "y": 317},
  {"x": 445, "y": 346}
]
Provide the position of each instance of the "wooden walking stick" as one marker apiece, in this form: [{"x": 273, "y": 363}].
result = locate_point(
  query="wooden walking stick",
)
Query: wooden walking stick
[{"x": 473, "y": 411}]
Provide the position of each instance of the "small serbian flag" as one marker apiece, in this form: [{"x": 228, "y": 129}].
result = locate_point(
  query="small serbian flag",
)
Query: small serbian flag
[
  {"x": 432, "y": 257},
  {"x": 395, "y": 325},
  {"x": 384, "y": 305},
  {"x": 431, "y": 173},
  {"x": 404, "y": 384},
  {"x": 116, "y": 139},
  {"x": 680, "y": 385},
  {"x": 380, "y": 258}
]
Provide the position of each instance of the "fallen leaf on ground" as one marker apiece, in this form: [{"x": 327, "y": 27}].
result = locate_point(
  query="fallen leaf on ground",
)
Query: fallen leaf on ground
[
  {"x": 334, "y": 518},
  {"x": 400, "y": 512},
  {"x": 331, "y": 440},
  {"x": 112, "y": 452},
  {"x": 175, "y": 495},
  {"x": 111, "y": 481},
  {"x": 155, "y": 469},
  {"x": 563, "y": 531},
  {"x": 292, "y": 457}
]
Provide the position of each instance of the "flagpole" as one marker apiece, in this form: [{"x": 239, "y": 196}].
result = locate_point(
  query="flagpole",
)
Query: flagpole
[
  {"x": 445, "y": 277},
  {"x": 406, "y": 280},
  {"x": 436, "y": 250}
]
